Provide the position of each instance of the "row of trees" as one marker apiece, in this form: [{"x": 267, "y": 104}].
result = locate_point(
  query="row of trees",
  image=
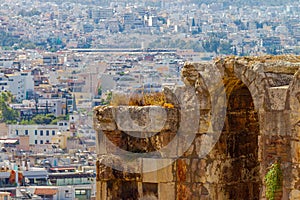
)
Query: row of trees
[
  {"x": 178, "y": 43},
  {"x": 9, "y": 41},
  {"x": 30, "y": 13},
  {"x": 44, "y": 119},
  {"x": 213, "y": 44}
]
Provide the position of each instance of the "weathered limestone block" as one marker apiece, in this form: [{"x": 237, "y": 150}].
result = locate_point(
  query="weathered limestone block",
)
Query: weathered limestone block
[
  {"x": 294, "y": 176},
  {"x": 240, "y": 69},
  {"x": 282, "y": 67},
  {"x": 137, "y": 129},
  {"x": 294, "y": 195},
  {"x": 295, "y": 146},
  {"x": 190, "y": 74},
  {"x": 277, "y": 123},
  {"x": 198, "y": 170},
  {"x": 145, "y": 119},
  {"x": 205, "y": 121},
  {"x": 214, "y": 171},
  {"x": 103, "y": 119},
  {"x": 154, "y": 173},
  {"x": 166, "y": 190},
  {"x": 136, "y": 118},
  {"x": 183, "y": 172},
  {"x": 101, "y": 190},
  {"x": 277, "y": 97},
  {"x": 112, "y": 167}
]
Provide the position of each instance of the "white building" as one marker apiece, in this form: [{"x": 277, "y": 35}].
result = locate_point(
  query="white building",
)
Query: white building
[
  {"x": 153, "y": 21},
  {"x": 6, "y": 63},
  {"x": 19, "y": 84},
  {"x": 38, "y": 133},
  {"x": 3, "y": 82},
  {"x": 55, "y": 106}
]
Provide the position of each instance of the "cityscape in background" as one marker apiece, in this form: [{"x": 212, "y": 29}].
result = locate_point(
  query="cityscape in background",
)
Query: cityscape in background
[{"x": 59, "y": 59}]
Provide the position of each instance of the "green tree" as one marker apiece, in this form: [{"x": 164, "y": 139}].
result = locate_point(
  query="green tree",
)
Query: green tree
[
  {"x": 225, "y": 48},
  {"x": 99, "y": 91},
  {"x": 211, "y": 45},
  {"x": 108, "y": 97},
  {"x": 26, "y": 122},
  {"x": 43, "y": 119},
  {"x": 8, "y": 114}
]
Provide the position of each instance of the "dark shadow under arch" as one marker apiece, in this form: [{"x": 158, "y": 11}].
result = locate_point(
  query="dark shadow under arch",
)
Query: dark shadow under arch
[{"x": 238, "y": 145}]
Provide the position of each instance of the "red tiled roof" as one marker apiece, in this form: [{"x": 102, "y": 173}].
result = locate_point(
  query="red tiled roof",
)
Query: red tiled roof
[{"x": 45, "y": 191}]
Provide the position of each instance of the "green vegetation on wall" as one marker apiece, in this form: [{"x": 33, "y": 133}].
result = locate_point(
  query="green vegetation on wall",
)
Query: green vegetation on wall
[{"x": 273, "y": 180}]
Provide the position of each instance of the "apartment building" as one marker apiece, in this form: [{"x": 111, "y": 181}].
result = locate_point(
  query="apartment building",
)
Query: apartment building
[
  {"x": 20, "y": 84},
  {"x": 38, "y": 134}
]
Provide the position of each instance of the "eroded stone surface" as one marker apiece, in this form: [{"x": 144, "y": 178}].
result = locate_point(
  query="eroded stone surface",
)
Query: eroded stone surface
[{"x": 262, "y": 124}]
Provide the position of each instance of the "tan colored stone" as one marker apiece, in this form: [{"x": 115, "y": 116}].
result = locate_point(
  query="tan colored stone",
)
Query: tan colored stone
[
  {"x": 166, "y": 191},
  {"x": 104, "y": 119},
  {"x": 277, "y": 97},
  {"x": 164, "y": 173},
  {"x": 294, "y": 195},
  {"x": 101, "y": 190}
]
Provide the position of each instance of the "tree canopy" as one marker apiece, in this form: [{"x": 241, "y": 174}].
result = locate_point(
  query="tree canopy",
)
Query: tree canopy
[{"x": 7, "y": 114}]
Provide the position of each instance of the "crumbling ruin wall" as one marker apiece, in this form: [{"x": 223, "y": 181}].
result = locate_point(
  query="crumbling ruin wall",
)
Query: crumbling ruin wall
[{"x": 260, "y": 124}]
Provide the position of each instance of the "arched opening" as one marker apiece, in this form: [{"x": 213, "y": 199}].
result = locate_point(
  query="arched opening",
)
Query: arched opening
[
  {"x": 238, "y": 145},
  {"x": 294, "y": 102}
]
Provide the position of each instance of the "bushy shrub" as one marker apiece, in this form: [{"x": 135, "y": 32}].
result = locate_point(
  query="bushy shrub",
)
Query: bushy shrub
[
  {"x": 273, "y": 180},
  {"x": 146, "y": 99}
]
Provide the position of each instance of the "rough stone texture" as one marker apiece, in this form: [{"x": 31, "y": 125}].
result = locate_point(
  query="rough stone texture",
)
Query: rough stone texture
[
  {"x": 166, "y": 190},
  {"x": 261, "y": 125}
]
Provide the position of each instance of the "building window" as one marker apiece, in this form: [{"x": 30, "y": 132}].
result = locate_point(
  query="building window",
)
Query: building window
[
  {"x": 35, "y": 141},
  {"x": 68, "y": 194},
  {"x": 17, "y": 132},
  {"x": 47, "y": 132},
  {"x": 41, "y": 142},
  {"x": 47, "y": 141},
  {"x": 35, "y": 132},
  {"x": 41, "y": 133},
  {"x": 80, "y": 192},
  {"x": 26, "y": 132},
  {"x": 53, "y": 132}
]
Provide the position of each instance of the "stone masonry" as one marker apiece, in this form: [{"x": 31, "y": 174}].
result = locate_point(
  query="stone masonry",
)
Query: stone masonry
[{"x": 250, "y": 106}]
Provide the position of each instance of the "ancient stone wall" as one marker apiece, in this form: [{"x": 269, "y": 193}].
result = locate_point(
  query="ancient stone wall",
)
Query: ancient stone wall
[{"x": 250, "y": 107}]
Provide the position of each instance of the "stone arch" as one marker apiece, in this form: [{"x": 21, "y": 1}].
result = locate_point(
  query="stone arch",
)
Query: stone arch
[
  {"x": 238, "y": 145},
  {"x": 251, "y": 75},
  {"x": 294, "y": 102},
  {"x": 294, "y": 105},
  {"x": 236, "y": 155}
]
